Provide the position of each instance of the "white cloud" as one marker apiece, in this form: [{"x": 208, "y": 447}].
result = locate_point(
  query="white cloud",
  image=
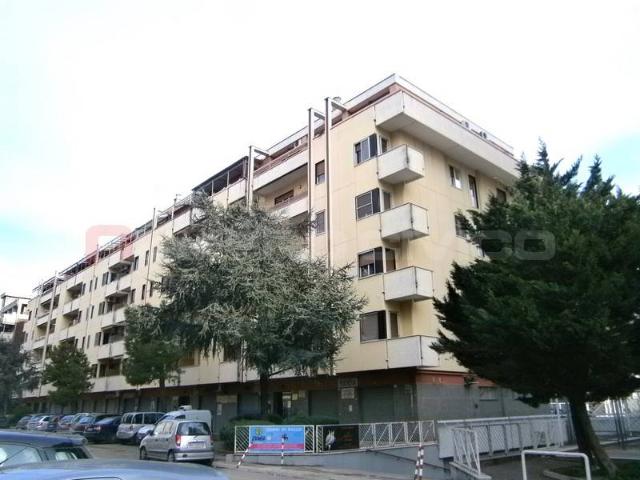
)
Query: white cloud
[{"x": 125, "y": 104}]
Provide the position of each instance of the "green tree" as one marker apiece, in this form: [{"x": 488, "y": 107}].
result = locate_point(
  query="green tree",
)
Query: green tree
[
  {"x": 153, "y": 351},
  {"x": 17, "y": 373},
  {"x": 243, "y": 282},
  {"x": 68, "y": 370},
  {"x": 555, "y": 311}
]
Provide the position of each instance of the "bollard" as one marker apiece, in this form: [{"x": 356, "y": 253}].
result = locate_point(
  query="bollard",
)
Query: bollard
[
  {"x": 244, "y": 455},
  {"x": 419, "y": 463}
]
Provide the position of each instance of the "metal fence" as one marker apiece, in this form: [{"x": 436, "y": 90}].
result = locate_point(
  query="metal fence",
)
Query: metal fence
[
  {"x": 506, "y": 434},
  {"x": 466, "y": 455},
  {"x": 241, "y": 440},
  {"x": 385, "y": 434}
]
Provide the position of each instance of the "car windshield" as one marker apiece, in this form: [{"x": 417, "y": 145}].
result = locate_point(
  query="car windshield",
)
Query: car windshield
[
  {"x": 194, "y": 428},
  {"x": 67, "y": 418},
  {"x": 36, "y": 418},
  {"x": 24, "y": 419},
  {"x": 86, "y": 420},
  {"x": 11, "y": 454},
  {"x": 106, "y": 420}
]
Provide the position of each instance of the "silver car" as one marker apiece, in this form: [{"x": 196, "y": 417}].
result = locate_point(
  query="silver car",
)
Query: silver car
[
  {"x": 133, "y": 421},
  {"x": 178, "y": 441},
  {"x": 39, "y": 422}
]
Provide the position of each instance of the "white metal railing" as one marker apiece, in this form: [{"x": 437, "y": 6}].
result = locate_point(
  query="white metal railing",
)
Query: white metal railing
[
  {"x": 466, "y": 455},
  {"x": 384, "y": 434},
  {"x": 523, "y": 455},
  {"x": 506, "y": 434}
]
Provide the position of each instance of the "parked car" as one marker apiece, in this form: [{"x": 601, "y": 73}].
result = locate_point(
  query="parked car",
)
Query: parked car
[
  {"x": 99, "y": 469},
  {"x": 85, "y": 421},
  {"x": 103, "y": 430},
  {"x": 133, "y": 421},
  {"x": 64, "y": 424},
  {"x": 178, "y": 441},
  {"x": 17, "y": 448},
  {"x": 183, "y": 413},
  {"x": 52, "y": 424},
  {"x": 40, "y": 422},
  {"x": 22, "y": 423}
]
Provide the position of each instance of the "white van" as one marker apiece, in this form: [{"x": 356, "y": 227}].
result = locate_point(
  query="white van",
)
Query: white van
[{"x": 184, "y": 412}]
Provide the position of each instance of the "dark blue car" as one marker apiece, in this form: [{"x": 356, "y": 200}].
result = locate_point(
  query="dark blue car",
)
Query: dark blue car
[{"x": 18, "y": 448}]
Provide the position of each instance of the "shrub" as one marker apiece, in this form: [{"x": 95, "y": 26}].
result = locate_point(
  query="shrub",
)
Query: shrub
[
  {"x": 227, "y": 432},
  {"x": 18, "y": 412}
]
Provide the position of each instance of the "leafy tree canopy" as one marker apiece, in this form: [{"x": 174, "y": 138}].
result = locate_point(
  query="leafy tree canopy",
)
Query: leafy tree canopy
[
  {"x": 17, "y": 372},
  {"x": 243, "y": 281},
  {"x": 69, "y": 372},
  {"x": 555, "y": 311}
]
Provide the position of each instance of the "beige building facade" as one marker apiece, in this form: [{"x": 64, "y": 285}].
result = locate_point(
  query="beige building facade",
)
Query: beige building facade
[{"x": 383, "y": 179}]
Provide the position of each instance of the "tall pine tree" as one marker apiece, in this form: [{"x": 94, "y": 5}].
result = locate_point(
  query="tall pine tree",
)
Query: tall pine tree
[{"x": 555, "y": 310}]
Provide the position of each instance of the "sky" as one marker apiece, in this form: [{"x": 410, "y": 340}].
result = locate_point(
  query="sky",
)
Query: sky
[{"x": 111, "y": 108}]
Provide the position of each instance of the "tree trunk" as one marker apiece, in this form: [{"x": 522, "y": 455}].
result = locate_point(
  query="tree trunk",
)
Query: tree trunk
[
  {"x": 264, "y": 394},
  {"x": 588, "y": 442},
  {"x": 161, "y": 383}
]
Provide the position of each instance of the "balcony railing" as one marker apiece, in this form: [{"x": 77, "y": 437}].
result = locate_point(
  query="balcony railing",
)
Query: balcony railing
[
  {"x": 113, "y": 349},
  {"x": 292, "y": 206},
  {"x": 71, "y": 307},
  {"x": 400, "y": 164},
  {"x": 408, "y": 284},
  {"x": 280, "y": 167},
  {"x": 406, "y": 222},
  {"x": 113, "y": 318}
]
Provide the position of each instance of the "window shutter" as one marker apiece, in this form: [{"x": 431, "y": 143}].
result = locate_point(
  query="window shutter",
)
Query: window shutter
[
  {"x": 375, "y": 199},
  {"x": 373, "y": 145},
  {"x": 378, "y": 260},
  {"x": 382, "y": 324}
]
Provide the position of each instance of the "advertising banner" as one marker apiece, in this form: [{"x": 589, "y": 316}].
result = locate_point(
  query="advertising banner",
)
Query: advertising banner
[
  {"x": 341, "y": 437},
  {"x": 269, "y": 438}
]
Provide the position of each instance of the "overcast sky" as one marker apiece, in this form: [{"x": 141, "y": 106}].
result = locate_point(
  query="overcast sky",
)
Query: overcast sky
[{"x": 110, "y": 108}]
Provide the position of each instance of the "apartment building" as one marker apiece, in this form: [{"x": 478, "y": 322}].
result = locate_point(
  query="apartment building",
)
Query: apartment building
[
  {"x": 384, "y": 175},
  {"x": 13, "y": 312}
]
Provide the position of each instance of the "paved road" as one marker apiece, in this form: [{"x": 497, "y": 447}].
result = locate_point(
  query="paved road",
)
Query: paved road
[{"x": 246, "y": 472}]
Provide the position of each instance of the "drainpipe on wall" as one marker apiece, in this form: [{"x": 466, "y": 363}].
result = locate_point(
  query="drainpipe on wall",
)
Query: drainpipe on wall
[{"x": 312, "y": 115}]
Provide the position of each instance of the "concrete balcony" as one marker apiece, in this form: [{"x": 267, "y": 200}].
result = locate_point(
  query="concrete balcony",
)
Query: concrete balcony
[
  {"x": 400, "y": 164},
  {"x": 46, "y": 297},
  {"x": 42, "y": 319},
  {"x": 38, "y": 343},
  {"x": 113, "y": 349},
  {"x": 292, "y": 207},
  {"x": 278, "y": 169},
  {"x": 402, "y": 352},
  {"x": 71, "y": 307},
  {"x": 411, "y": 283},
  {"x": 406, "y": 222},
  {"x": 229, "y": 372},
  {"x": 110, "y": 383},
  {"x": 449, "y": 132},
  {"x": 119, "y": 287},
  {"x": 182, "y": 221},
  {"x": 113, "y": 318},
  {"x": 232, "y": 193},
  {"x": 122, "y": 258}
]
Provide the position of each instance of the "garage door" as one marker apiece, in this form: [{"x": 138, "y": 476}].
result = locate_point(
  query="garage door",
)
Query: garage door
[{"x": 376, "y": 404}]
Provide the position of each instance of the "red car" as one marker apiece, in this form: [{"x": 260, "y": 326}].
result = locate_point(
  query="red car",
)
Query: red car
[{"x": 85, "y": 421}]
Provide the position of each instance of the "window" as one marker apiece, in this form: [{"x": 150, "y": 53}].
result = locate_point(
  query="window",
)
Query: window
[
  {"x": 82, "y": 344},
  {"x": 17, "y": 454},
  {"x": 386, "y": 200},
  {"x": 283, "y": 198},
  {"x": 155, "y": 254},
  {"x": 94, "y": 370},
  {"x": 384, "y": 144},
  {"x": 136, "y": 260},
  {"x": 501, "y": 194},
  {"x": 373, "y": 326},
  {"x": 101, "y": 308},
  {"x": 365, "y": 149},
  {"x": 105, "y": 278},
  {"x": 393, "y": 325},
  {"x": 231, "y": 354},
  {"x": 473, "y": 191},
  {"x": 146, "y": 258},
  {"x": 320, "y": 223},
  {"x": 460, "y": 229},
  {"x": 454, "y": 177},
  {"x": 488, "y": 393},
  {"x": 150, "y": 289},
  {"x": 92, "y": 309},
  {"x": 132, "y": 296},
  {"x": 370, "y": 263},
  {"x": 390, "y": 259},
  {"x": 368, "y": 203},
  {"x": 83, "y": 288},
  {"x": 320, "y": 175},
  {"x": 91, "y": 285},
  {"x": 143, "y": 292}
]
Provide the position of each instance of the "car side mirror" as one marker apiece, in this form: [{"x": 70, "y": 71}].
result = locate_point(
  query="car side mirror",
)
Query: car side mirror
[{"x": 152, "y": 433}]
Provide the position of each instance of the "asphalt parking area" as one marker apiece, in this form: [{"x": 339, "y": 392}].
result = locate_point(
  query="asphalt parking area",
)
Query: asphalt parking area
[{"x": 113, "y": 450}]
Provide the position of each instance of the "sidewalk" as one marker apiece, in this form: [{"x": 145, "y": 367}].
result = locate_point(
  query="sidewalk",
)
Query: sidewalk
[{"x": 297, "y": 472}]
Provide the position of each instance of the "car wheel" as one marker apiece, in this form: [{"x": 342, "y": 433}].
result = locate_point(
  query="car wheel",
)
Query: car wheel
[
  {"x": 143, "y": 454},
  {"x": 171, "y": 457}
]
